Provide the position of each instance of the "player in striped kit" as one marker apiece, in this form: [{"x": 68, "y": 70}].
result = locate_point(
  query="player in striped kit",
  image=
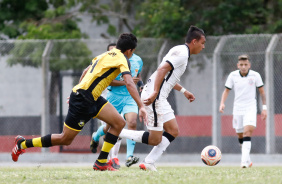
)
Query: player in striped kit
[
  {"x": 86, "y": 102},
  {"x": 120, "y": 98}
]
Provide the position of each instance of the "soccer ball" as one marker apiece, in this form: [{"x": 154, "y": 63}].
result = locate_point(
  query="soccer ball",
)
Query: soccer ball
[{"x": 211, "y": 155}]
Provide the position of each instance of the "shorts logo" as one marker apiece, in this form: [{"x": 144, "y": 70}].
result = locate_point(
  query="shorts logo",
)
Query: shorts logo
[{"x": 81, "y": 123}]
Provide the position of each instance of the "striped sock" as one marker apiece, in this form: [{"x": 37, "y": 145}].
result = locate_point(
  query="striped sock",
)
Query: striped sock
[
  {"x": 37, "y": 142},
  {"x": 109, "y": 142}
]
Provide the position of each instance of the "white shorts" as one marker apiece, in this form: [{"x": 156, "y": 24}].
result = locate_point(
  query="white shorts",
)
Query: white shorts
[
  {"x": 158, "y": 113},
  {"x": 249, "y": 118}
]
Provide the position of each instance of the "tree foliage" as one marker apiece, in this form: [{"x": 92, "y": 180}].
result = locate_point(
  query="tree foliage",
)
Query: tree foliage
[
  {"x": 171, "y": 18},
  {"x": 35, "y": 19},
  {"x": 119, "y": 15}
]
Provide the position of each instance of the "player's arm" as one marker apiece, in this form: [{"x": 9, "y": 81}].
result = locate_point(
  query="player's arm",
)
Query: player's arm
[
  {"x": 81, "y": 77},
  {"x": 84, "y": 73},
  {"x": 263, "y": 99},
  {"x": 117, "y": 83},
  {"x": 131, "y": 87},
  {"x": 140, "y": 83},
  {"x": 161, "y": 72},
  {"x": 223, "y": 99},
  {"x": 186, "y": 93}
]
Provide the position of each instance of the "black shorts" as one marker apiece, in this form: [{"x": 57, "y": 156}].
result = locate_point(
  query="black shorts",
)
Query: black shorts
[{"x": 82, "y": 110}]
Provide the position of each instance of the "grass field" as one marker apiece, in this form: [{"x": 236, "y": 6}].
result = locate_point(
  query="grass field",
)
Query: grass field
[{"x": 173, "y": 175}]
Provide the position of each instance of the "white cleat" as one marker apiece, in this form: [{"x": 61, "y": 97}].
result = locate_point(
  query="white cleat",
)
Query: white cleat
[
  {"x": 147, "y": 167},
  {"x": 246, "y": 165}
]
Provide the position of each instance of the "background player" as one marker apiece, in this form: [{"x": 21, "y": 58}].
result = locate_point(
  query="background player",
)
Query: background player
[
  {"x": 119, "y": 97},
  {"x": 85, "y": 103},
  {"x": 244, "y": 82},
  {"x": 154, "y": 95}
]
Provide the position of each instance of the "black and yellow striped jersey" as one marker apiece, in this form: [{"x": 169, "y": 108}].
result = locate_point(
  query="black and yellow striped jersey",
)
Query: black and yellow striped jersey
[{"x": 104, "y": 69}]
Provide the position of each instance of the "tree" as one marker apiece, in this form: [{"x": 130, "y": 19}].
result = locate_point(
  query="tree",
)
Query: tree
[
  {"x": 55, "y": 23},
  {"x": 120, "y": 11},
  {"x": 25, "y": 10},
  {"x": 171, "y": 18}
]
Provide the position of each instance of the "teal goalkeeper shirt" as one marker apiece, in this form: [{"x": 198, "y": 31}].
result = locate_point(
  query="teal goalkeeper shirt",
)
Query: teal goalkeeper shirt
[{"x": 135, "y": 68}]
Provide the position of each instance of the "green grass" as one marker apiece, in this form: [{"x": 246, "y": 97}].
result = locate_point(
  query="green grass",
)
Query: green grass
[{"x": 173, "y": 175}]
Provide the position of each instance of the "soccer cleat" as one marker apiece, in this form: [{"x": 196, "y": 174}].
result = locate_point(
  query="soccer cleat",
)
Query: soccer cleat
[
  {"x": 131, "y": 160},
  {"x": 147, "y": 167},
  {"x": 103, "y": 167},
  {"x": 114, "y": 163},
  {"x": 246, "y": 165},
  {"x": 17, "y": 151},
  {"x": 93, "y": 144}
]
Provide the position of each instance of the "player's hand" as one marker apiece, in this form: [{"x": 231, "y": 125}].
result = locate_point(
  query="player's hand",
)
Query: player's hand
[
  {"x": 141, "y": 89},
  {"x": 143, "y": 115},
  {"x": 189, "y": 96},
  {"x": 221, "y": 108},
  {"x": 68, "y": 100},
  {"x": 263, "y": 114},
  {"x": 151, "y": 99},
  {"x": 135, "y": 79}
]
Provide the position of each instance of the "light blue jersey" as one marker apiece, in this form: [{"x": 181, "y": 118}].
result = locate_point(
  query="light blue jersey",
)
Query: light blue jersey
[{"x": 135, "y": 68}]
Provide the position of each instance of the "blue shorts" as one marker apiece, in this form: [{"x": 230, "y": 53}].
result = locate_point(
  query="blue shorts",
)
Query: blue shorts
[{"x": 123, "y": 104}]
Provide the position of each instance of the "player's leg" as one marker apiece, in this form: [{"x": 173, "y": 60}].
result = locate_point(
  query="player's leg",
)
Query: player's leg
[
  {"x": 164, "y": 121},
  {"x": 170, "y": 133},
  {"x": 246, "y": 146},
  {"x": 94, "y": 143},
  {"x": 110, "y": 115},
  {"x": 130, "y": 111},
  {"x": 116, "y": 101},
  {"x": 65, "y": 138},
  {"x": 113, "y": 155},
  {"x": 73, "y": 125},
  {"x": 249, "y": 122},
  {"x": 237, "y": 124},
  {"x": 156, "y": 118}
]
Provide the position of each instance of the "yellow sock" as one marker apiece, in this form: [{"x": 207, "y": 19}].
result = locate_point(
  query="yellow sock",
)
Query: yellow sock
[{"x": 105, "y": 152}]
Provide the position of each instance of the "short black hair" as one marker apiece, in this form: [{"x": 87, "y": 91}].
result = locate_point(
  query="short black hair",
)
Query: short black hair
[
  {"x": 194, "y": 33},
  {"x": 126, "y": 41},
  {"x": 243, "y": 57},
  {"x": 110, "y": 45}
]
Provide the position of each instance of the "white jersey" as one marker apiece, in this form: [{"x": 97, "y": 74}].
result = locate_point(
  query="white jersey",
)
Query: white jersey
[
  {"x": 244, "y": 89},
  {"x": 177, "y": 57}
]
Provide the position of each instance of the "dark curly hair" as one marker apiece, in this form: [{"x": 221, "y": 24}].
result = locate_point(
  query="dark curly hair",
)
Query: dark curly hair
[{"x": 126, "y": 41}]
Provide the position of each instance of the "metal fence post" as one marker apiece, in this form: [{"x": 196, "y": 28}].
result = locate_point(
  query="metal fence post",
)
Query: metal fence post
[
  {"x": 45, "y": 119},
  {"x": 216, "y": 120},
  {"x": 269, "y": 82}
]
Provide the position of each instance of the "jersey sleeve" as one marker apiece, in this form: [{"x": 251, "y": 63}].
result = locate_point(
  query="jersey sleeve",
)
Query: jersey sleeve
[
  {"x": 259, "y": 82},
  {"x": 177, "y": 57},
  {"x": 140, "y": 66},
  {"x": 124, "y": 66},
  {"x": 229, "y": 82}
]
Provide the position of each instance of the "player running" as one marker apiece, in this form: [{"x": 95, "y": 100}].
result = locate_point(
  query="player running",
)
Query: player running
[
  {"x": 120, "y": 98},
  {"x": 162, "y": 124},
  {"x": 85, "y": 103}
]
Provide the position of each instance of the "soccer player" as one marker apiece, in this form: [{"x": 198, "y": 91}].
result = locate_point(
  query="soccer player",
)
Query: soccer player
[
  {"x": 85, "y": 103},
  {"x": 244, "y": 82},
  {"x": 120, "y": 98},
  {"x": 162, "y": 124}
]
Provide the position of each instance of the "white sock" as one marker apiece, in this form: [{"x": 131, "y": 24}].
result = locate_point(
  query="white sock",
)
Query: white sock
[
  {"x": 110, "y": 154},
  {"x": 157, "y": 151},
  {"x": 115, "y": 149},
  {"x": 132, "y": 134},
  {"x": 246, "y": 149}
]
